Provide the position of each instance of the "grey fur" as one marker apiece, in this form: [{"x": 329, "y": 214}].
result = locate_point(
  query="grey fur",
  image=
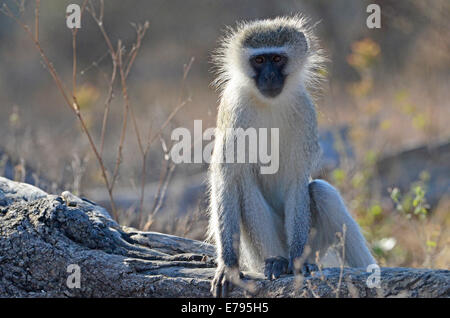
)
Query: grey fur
[{"x": 254, "y": 217}]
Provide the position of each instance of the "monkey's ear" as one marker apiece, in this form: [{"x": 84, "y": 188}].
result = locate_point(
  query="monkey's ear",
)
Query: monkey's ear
[{"x": 303, "y": 43}]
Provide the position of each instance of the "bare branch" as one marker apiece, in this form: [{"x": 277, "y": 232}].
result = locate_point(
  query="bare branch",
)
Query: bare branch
[
  {"x": 36, "y": 20},
  {"x": 161, "y": 194},
  {"x": 124, "y": 119},
  {"x": 73, "y": 104},
  {"x": 107, "y": 104},
  {"x": 140, "y": 32}
]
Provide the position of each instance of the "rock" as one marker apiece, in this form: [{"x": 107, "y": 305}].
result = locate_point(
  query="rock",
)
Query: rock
[
  {"x": 404, "y": 168},
  {"x": 26, "y": 173},
  {"x": 46, "y": 240}
]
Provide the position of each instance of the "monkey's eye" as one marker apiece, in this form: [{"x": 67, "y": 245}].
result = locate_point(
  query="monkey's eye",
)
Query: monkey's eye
[
  {"x": 259, "y": 59},
  {"x": 276, "y": 58}
]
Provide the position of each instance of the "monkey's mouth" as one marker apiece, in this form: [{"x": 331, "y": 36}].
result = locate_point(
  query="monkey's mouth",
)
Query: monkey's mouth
[
  {"x": 271, "y": 92},
  {"x": 270, "y": 86}
]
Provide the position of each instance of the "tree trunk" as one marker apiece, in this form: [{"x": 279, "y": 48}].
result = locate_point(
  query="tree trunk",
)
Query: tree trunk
[{"x": 47, "y": 242}]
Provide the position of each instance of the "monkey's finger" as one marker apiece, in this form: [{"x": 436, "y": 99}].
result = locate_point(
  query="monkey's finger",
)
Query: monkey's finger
[
  {"x": 213, "y": 283},
  {"x": 267, "y": 273},
  {"x": 216, "y": 284},
  {"x": 282, "y": 266},
  {"x": 268, "y": 270},
  {"x": 278, "y": 268},
  {"x": 216, "y": 290}
]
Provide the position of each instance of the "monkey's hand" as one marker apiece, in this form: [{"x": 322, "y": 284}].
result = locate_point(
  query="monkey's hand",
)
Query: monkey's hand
[
  {"x": 305, "y": 269},
  {"x": 224, "y": 280}
]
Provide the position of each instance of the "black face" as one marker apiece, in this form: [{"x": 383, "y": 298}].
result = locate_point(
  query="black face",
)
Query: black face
[{"x": 269, "y": 76}]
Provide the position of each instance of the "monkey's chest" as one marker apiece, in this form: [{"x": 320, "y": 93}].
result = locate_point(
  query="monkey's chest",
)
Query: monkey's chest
[
  {"x": 294, "y": 165},
  {"x": 274, "y": 187}
]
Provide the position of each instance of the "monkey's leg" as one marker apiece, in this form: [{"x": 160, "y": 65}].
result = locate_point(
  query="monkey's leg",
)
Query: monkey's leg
[
  {"x": 329, "y": 216},
  {"x": 262, "y": 233},
  {"x": 297, "y": 224}
]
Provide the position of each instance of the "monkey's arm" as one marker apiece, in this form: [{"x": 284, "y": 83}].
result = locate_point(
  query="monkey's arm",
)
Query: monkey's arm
[
  {"x": 297, "y": 222},
  {"x": 224, "y": 225},
  {"x": 225, "y": 212}
]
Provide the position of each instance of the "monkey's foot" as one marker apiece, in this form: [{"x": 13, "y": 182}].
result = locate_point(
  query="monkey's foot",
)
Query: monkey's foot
[
  {"x": 308, "y": 268},
  {"x": 224, "y": 280},
  {"x": 274, "y": 267}
]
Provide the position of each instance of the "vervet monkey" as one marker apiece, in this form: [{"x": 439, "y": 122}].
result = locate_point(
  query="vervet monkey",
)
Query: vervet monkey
[{"x": 263, "y": 222}]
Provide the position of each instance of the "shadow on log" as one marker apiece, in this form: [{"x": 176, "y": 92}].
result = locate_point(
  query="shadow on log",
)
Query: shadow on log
[{"x": 41, "y": 235}]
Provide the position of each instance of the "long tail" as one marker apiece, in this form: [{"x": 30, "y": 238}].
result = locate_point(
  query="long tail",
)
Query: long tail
[{"x": 329, "y": 214}]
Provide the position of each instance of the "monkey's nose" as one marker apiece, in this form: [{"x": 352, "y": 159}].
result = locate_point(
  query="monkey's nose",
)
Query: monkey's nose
[{"x": 270, "y": 76}]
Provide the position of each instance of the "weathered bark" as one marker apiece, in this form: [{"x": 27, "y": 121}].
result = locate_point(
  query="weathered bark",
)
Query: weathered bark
[{"x": 41, "y": 235}]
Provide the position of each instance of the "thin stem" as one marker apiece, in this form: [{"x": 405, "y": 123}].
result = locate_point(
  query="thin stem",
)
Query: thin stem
[
  {"x": 36, "y": 20},
  {"x": 107, "y": 105},
  {"x": 72, "y": 104},
  {"x": 124, "y": 119}
]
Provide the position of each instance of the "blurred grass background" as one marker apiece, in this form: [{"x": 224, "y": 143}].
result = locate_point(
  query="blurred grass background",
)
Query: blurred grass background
[{"x": 387, "y": 88}]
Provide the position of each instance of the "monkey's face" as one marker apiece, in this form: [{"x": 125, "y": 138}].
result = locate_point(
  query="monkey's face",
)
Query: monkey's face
[{"x": 269, "y": 73}]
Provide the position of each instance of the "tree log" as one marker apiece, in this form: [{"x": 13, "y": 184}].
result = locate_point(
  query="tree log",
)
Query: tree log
[{"x": 41, "y": 235}]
